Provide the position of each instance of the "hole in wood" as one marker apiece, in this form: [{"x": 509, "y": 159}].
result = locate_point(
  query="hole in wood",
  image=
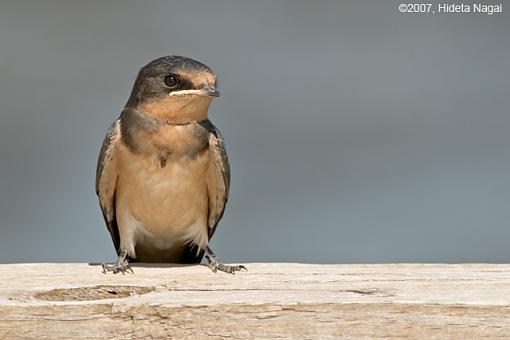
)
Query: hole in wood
[{"x": 92, "y": 293}]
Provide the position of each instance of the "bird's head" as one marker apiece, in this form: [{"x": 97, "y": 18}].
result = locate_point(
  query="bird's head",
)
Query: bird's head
[{"x": 173, "y": 88}]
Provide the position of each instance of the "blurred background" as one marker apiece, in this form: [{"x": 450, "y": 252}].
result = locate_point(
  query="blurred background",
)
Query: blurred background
[{"x": 355, "y": 133}]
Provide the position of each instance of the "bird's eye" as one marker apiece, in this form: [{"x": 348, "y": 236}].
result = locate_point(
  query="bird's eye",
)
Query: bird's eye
[{"x": 170, "y": 81}]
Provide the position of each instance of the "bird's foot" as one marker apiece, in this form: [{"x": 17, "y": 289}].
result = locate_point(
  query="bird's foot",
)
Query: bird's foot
[
  {"x": 214, "y": 263},
  {"x": 118, "y": 267},
  {"x": 121, "y": 265}
]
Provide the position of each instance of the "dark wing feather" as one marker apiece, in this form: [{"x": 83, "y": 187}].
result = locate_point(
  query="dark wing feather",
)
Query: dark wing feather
[
  {"x": 218, "y": 176},
  {"x": 106, "y": 180}
]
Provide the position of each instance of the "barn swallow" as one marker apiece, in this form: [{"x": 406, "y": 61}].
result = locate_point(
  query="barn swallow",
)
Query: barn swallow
[{"x": 163, "y": 174}]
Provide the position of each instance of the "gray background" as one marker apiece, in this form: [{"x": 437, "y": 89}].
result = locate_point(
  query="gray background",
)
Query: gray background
[{"x": 356, "y": 133}]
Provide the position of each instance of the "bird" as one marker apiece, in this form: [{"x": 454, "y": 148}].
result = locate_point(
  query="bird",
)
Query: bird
[{"x": 163, "y": 174}]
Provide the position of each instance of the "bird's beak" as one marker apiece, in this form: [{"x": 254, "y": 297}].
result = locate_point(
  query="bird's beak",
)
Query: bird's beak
[{"x": 211, "y": 90}]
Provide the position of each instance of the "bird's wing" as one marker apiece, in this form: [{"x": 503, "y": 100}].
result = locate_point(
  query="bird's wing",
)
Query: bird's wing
[
  {"x": 218, "y": 176},
  {"x": 106, "y": 180}
]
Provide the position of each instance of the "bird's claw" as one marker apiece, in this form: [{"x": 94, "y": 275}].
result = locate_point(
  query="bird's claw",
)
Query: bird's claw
[
  {"x": 121, "y": 265},
  {"x": 118, "y": 267},
  {"x": 215, "y": 265}
]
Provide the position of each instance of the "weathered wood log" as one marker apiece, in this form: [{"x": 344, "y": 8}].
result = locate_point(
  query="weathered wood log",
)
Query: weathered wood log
[{"x": 422, "y": 301}]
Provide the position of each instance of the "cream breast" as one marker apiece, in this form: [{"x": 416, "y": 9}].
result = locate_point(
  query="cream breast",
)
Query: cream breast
[{"x": 162, "y": 195}]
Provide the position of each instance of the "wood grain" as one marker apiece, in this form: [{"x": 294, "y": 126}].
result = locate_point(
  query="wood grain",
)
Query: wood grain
[{"x": 286, "y": 300}]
